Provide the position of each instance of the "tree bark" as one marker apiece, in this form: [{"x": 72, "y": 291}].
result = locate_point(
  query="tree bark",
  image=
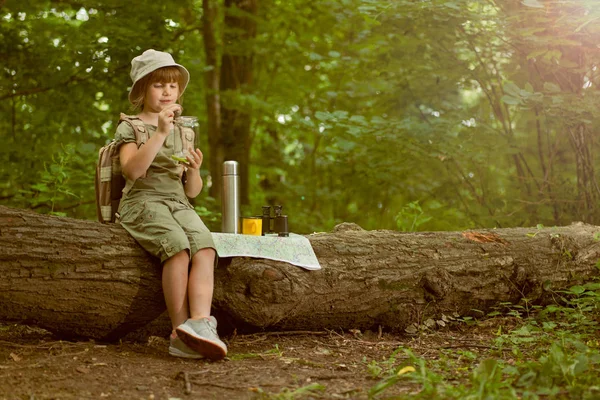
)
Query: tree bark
[
  {"x": 85, "y": 279},
  {"x": 237, "y": 66},
  {"x": 213, "y": 99}
]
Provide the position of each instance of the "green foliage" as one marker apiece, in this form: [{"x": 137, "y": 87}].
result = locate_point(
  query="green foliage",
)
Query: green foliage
[
  {"x": 385, "y": 367},
  {"x": 410, "y": 217},
  {"x": 578, "y": 308},
  {"x": 62, "y": 181},
  {"x": 554, "y": 353},
  {"x": 287, "y": 394},
  {"x": 568, "y": 368},
  {"x": 480, "y": 113},
  {"x": 53, "y": 185}
]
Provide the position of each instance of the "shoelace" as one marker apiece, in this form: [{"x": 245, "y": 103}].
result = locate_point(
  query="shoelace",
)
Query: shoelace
[{"x": 212, "y": 329}]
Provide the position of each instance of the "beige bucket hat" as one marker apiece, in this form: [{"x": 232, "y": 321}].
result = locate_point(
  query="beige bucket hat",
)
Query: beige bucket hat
[{"x": 150, "y": 61}]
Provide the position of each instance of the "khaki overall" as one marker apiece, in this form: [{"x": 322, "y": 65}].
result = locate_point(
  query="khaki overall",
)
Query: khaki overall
[{"x": 155, "y": 210}]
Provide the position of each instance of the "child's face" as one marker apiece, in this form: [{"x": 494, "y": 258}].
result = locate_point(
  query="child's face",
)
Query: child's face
[{"x": 160, "y": 95}]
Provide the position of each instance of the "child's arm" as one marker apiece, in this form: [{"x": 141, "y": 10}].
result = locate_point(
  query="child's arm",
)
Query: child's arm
[
  {"x": 193, "y": 185},
  {"x": 135, "y": 162}
]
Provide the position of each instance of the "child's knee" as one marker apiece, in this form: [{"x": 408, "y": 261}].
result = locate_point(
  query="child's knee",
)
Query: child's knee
[
  {"x": 181, "y": 257},
  {"x": 206, "y": 253}
]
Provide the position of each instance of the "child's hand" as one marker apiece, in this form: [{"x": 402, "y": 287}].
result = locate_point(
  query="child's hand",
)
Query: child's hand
[
  {"x": 195, "y": 159},
  {"x": 166, "y": 116}
]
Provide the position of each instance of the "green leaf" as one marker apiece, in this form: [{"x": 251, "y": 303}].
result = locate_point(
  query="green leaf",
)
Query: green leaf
[
  {"x": 356, "y": 130},
  {"x": 340, "y": 114},
  {"x": 307, "y": 122},
  {"x": 323, "y": 116},
  {"x": 512, "y": 89},
  {"x": 568, "y": 64},
  {"x": 346, "y": 145},
  {"x": 40, "y": 187},
  {"x": 510, "y": 100},
  {"x": 577, "y": 289},
  {"x": 551, "y": 87},
  {"x": 536, "y": 53},
  {"x": 452, "y": 5},
  {"x": 553, "y": 54},
  {"x": 358, "y": 119},
  {"x": 315, "y": 56},
  {"x": 529, "y": 87},
  {"x": 549, "y": 325},
  {"x": 533, "y": 4}
]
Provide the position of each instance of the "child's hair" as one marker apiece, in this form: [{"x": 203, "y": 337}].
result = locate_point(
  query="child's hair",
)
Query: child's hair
[{"x": 162, "y": 75}]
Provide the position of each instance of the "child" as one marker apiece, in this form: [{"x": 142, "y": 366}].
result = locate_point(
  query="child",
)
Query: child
[{"x": 156, "y": 211}]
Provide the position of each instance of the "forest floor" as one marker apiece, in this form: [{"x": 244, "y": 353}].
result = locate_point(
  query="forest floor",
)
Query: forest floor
[{"x": 35, "y": 365}]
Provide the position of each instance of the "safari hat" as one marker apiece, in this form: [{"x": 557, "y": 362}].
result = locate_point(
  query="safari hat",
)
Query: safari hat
[{"x": 150, "y": 61}]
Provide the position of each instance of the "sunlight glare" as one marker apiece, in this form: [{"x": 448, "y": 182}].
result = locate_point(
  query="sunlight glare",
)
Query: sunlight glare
[{"x": 82, "y": 15}]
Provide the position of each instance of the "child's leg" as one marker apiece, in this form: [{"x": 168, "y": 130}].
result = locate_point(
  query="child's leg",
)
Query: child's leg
[
  {"x": 175, "y": 286},
  {"x": 201, "y": 283},
  {"x": 200, "y": 331}
]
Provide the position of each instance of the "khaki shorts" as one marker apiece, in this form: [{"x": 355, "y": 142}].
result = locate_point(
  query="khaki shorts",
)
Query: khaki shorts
[{"x": 164, "y": 227}]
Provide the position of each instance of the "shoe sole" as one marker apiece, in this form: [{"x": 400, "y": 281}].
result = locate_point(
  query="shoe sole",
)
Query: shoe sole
[
  {"x": 202, "y": 346},
  {"x": 178, "y": 353}
]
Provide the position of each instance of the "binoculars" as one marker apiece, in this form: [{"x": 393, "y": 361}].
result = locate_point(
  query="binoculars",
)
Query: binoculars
[{"x": 279, "y": 223}]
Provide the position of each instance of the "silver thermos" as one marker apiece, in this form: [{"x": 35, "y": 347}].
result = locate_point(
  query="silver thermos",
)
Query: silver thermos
[{"x": 230, "y": 198}]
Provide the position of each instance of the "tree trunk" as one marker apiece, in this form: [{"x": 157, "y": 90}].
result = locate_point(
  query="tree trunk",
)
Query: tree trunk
[
  {"x": 83, "y": 278},
  {"x": 236, "y": 77},
  {"x": 213, "y": 99}
]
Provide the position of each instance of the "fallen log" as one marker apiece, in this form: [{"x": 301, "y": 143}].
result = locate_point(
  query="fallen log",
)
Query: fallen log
[{"x": 81, "y": 278}]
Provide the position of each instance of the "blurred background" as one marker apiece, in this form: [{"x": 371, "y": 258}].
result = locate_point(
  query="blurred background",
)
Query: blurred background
[{"x": 393, "y": 114}]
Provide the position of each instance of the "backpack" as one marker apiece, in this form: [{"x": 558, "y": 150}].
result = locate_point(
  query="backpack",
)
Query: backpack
[{"x": 110, "y": 183}]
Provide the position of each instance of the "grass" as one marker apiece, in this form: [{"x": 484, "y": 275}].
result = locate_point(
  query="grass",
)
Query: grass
[
  {"x": 274, "y": 352},
  {"x": 554, "y": 352},
  {"x": 292, "y": 394},
  {"x": 545, "y": 352}
]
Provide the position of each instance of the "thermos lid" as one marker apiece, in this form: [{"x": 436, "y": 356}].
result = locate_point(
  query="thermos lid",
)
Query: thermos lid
[{"x": 230, "y": 168}]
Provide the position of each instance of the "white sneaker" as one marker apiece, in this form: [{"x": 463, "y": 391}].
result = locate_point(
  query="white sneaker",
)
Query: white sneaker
[
  {"x": 201, "y": 336},
  {"x": 178, "y": 349}
]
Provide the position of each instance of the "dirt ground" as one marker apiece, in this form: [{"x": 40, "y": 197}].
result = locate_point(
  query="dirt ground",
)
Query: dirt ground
[{"x": 35, "y": 365}]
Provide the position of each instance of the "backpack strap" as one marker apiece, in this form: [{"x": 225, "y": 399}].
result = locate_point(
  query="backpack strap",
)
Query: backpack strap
[
  {"x": 138, "y": 126},
  {"x": 141, "y": 137}
]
